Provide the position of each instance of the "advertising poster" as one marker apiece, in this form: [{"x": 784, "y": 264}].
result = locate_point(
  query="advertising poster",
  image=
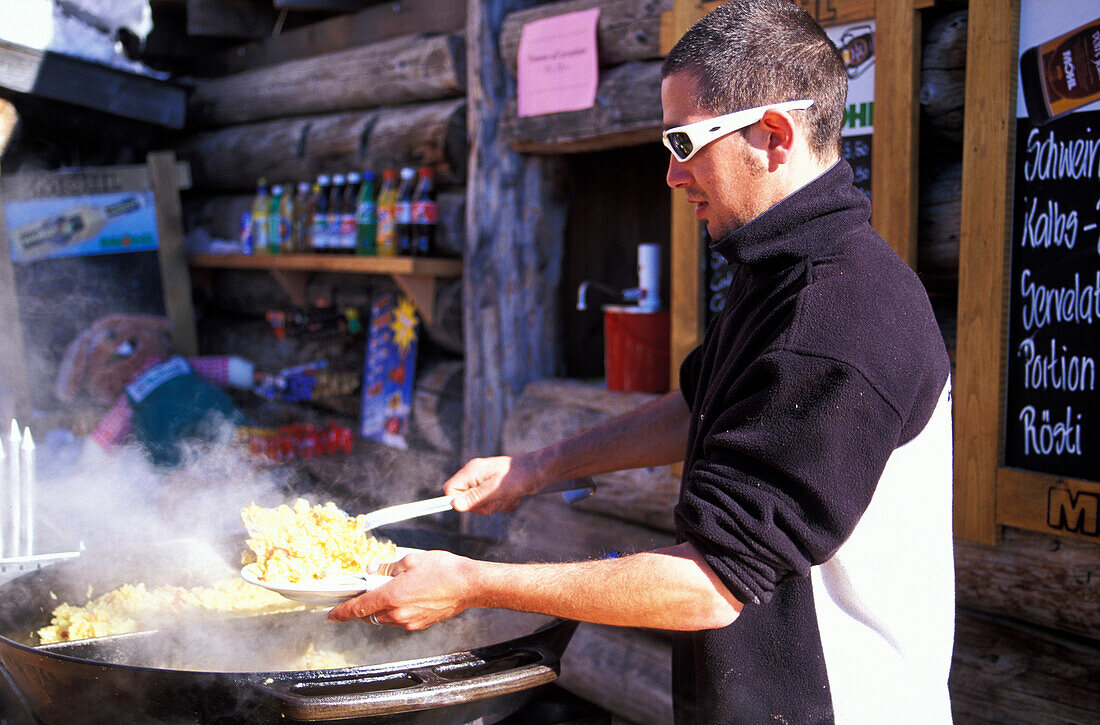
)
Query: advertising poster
[
  {"x": 856, "y": 42},
  {"x": 389, "y": 370},
  {"x": 1052, "y": 405},
  {"x": 83, "y": 251},
  {"x": 81, "y": 225}
]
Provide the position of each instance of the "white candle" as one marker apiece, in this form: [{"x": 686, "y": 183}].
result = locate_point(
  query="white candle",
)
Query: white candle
[
  {"x": 28, "y": 479},
  {"x": 11, "y": 539}
]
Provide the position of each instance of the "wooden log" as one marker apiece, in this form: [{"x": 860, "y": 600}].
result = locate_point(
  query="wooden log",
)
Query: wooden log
[
  {"x": 627, "y": 672},
  {"x": 943, "y": 74},
  {"x": 403, "y": 70},
  {"x": 627, "y": 29},
  {"x": 1009, "y": 673},
  {"x": 551, "y": 410},
  {"x": 431, "y": 134},
  {"x": 938, "y": 221},
  {"x": 1049, "y": 581},
  {"x": 370, "y": 25},
  {"x": 627, "y": 112}
]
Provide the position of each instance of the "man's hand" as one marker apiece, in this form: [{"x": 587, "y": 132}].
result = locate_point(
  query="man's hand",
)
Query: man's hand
[
  {"x": 492, "y": 485},
  {"x": 427, "y": 587}
]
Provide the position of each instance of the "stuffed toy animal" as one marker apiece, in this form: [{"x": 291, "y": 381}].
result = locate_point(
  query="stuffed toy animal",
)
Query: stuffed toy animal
[{"x": 102, "y": 360}]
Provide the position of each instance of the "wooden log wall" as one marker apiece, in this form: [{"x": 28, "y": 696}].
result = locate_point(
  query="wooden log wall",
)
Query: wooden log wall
[{"x": 514, "y": 242}]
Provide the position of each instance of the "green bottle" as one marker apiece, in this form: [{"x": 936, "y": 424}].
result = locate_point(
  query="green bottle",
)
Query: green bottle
[
  {"x": 366, "y": 217},
  {"x": 274, "y": 221}
]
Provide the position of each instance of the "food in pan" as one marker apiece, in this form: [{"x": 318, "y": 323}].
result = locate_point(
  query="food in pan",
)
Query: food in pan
[
  {"x": 136, "y": 607},
  {"x": 303, "y": 542}
]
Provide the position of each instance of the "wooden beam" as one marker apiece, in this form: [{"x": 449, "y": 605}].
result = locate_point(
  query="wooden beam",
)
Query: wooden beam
[
  {"x": 627, "y": 29},
  {"x": 1044, "y": 579},
  {"x": 988, "y": 136},
  {"x": 374, "y": 24},
  {"x": 423, "y": 134},
  {"x": 894, "y": 151},
  {"x": 627, "y": 112},
  {"x": 14, "y": 391},
  {"x": 175, "y": 279},
  {"x": 410, "y": 69},
  {"x": 61, "y": 78}
]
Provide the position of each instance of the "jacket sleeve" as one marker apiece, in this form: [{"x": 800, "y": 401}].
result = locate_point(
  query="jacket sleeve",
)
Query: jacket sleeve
[{"x": 794, "y": 450}]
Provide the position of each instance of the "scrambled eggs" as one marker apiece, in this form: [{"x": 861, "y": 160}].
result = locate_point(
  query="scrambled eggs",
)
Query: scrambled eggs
[
  {"x": 298, "y": 544},
  {"x": 135, "y": 607}
]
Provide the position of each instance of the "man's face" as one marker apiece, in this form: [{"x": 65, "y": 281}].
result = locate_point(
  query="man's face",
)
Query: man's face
[{"x": 723, "y": 179}]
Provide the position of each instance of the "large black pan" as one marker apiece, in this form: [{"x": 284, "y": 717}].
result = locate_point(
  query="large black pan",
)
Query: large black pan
[{"x": 482, "y": 664}]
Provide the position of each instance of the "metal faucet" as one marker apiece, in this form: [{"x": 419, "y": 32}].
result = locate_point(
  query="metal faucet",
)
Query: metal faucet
[{"x": 582, "y": 292}]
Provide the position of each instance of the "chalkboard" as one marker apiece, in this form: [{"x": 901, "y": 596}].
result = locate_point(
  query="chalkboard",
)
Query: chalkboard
[{"x": 1052, "y": 404}]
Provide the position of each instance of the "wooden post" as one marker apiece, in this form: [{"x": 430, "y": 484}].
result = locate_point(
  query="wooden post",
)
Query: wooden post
[
  {"x": 894, "y": 150},
  {"x": 14, "y": 394},
  {"x": 983, "y": 258},
  {"x": 175, "y": 280}
]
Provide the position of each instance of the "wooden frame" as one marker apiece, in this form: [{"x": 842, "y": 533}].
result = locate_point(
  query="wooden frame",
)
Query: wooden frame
[
  {"x": 164, "y": 177},
  {"x": 988, "y": 494},
  {"x": 894, "y": 151}
]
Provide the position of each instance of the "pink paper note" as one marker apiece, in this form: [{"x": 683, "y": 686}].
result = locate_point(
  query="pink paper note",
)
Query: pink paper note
[{"x": 558, "y": 67}]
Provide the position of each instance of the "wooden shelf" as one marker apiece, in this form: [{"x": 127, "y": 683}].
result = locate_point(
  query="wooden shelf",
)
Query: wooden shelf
[{"x": 416, "y": 276}]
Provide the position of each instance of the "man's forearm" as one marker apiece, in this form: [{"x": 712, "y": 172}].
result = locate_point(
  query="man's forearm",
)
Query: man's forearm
[
  {"x": 666, "y": 589},
  {"x": 651, "y": 435}
]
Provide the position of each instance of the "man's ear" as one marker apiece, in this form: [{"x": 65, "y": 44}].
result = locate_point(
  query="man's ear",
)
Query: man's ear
[{"x": 781, "y": 136}]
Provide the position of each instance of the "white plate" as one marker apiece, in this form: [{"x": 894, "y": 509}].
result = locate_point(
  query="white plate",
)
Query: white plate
[{"x": 323, "y": 591}]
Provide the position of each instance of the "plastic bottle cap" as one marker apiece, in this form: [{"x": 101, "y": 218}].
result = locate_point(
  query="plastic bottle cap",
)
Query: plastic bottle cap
[
  {"x": 338, "y": 179},
  {"x": 322, "y": 180},
  {"x": 353, "y": 177},
  {"x": 408, "y": 172}
]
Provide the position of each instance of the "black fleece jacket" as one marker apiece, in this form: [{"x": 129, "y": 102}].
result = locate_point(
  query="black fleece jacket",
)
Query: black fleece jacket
[{"x": 825, "y": 358}]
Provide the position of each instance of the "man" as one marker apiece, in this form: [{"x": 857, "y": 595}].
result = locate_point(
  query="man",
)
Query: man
[{"x": 813, "y": 581}]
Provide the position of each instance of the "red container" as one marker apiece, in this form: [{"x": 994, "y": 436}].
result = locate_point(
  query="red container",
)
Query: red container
[{"x": 636, "y": 349}]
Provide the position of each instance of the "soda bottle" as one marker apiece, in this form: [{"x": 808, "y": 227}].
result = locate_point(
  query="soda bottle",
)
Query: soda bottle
[
  {"x": 387, "y": 207},
  {"x": 425, "y": 214},
  {"x": 259, "y": 217},
  {"x": 348, "y": 213},
  {"x": 286, "y": 221},
  {"x": 332, "y": 214},
  {"x": 274, "y": 220},
  {"x": 299, "y": 220},
  {"x": 366, "y": 217},
  {"x": 403, "y": 212},
  {"x": 318, "y": 235}
]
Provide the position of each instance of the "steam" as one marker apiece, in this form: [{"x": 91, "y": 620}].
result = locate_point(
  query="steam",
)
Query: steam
[{"x": 117, "y": 498}]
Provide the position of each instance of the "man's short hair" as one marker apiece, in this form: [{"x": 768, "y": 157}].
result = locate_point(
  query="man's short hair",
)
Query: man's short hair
[{"x": 750, "y": 53}]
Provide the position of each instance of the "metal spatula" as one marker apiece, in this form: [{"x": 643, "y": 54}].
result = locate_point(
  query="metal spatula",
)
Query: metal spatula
[{"x": 401, "y": 512}]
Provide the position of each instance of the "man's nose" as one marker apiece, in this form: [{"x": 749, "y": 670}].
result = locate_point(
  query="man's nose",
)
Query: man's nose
[{"x": 677, "y": 175}]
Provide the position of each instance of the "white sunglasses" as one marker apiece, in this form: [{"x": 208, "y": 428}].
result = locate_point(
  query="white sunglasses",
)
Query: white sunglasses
[{"x": 685, "y": 141}]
